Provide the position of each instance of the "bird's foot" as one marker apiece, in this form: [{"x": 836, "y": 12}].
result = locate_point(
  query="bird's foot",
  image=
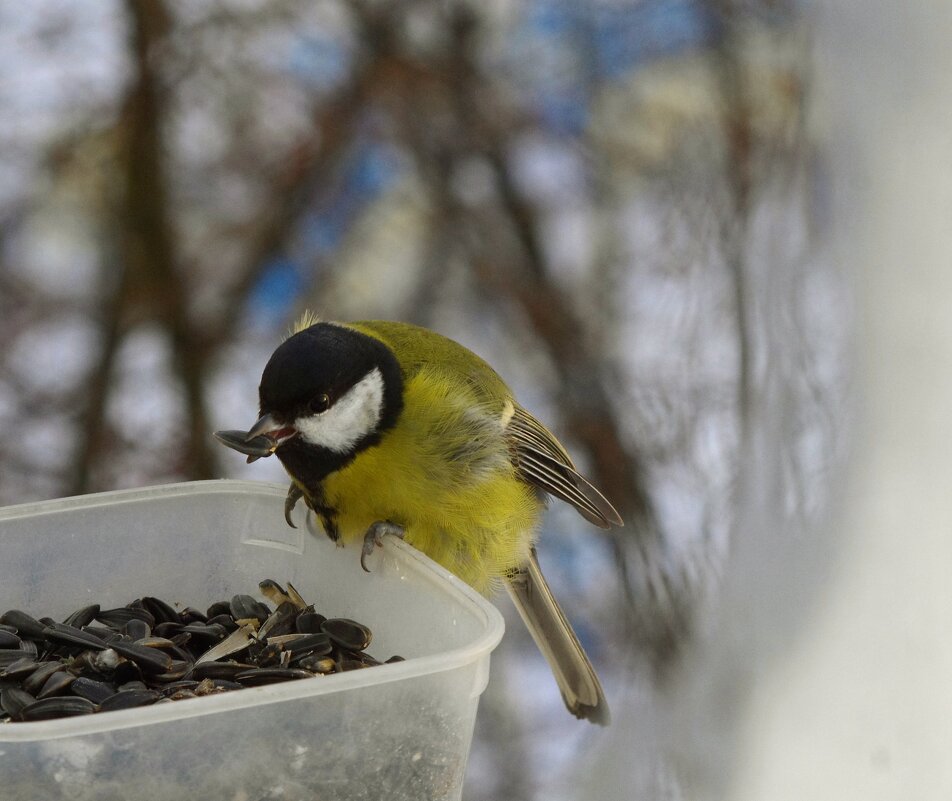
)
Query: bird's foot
[
  {"x": 374, "y": 538},
  {"x": 295, "y": 493}
]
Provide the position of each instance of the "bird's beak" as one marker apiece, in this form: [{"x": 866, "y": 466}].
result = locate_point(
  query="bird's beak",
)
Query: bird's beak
[
  {"x": 263, "y": 439},
  {"x": 264, "y": 427}
]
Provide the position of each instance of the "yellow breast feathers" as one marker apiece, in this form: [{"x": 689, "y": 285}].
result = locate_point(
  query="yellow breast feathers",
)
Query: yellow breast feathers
[{"x": 444, "y": 474}]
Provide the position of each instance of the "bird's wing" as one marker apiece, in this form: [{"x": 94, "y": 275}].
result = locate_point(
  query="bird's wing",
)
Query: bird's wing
[
  {"x": 539, "y": 458},
  {"x": 543, "y": 462}
]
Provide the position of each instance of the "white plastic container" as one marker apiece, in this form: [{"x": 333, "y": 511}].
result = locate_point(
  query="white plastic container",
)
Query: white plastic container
[{"x": 398, "y": 731}]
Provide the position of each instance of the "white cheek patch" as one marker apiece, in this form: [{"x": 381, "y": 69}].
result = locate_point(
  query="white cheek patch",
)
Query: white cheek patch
[{"x": 355, "y": 414}]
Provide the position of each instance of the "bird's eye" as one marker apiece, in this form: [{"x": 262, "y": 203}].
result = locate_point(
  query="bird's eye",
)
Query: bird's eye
[{"x": 319, "y": 403}]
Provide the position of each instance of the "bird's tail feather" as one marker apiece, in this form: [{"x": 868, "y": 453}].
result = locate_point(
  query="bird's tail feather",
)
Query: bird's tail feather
[{"x": 580, "y": 688}]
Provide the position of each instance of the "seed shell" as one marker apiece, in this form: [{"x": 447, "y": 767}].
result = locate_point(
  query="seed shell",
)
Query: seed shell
[
  {"x": 9, "y": 656},
  {"x": 35, "y": 681},
  {"x": 259, "y": 676},
  {"x": 244, "y": 607},
  {"x": 69, "y": 635},
  {"x": 82, "y": 617},
  {"x": 149, "y": 660},
  {"x": 20, "y": 668},
  {"x": 90, "y": 689},
  {"x": 25, "y": 625},
  {"x": 48, "y": 708},
  {"x": 13, "y": 699},
  {"x": 160, "y": 610},
  {"x": 146, "y": 652},
  {"x": 117, "y": 618},
  {"x": 57, "y": 684},
  {"x": 129, "y": 699},
  {"x": 347, "y": 633}
]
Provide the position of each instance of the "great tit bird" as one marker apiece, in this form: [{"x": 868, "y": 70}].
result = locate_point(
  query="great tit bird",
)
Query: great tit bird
[{"x": 389, "y": 428}]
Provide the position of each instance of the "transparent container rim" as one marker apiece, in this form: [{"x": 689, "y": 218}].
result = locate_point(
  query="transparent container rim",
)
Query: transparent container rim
[{"x": 411, "y": 559}]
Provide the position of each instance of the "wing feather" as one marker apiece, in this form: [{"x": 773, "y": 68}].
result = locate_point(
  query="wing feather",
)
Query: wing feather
[
  {"x": 558, "y": 486},
  {"x": 544, "y": 463}
]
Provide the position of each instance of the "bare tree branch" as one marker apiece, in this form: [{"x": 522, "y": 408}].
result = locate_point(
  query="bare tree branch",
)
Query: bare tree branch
[{"x": 157, "y": 288}]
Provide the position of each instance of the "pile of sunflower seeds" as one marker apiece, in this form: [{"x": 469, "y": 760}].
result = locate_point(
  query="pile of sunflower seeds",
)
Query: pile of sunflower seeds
[{"x": 146, "y": 652}]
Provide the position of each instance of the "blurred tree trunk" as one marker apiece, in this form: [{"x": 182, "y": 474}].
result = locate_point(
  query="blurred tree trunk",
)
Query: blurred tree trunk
[
  {"x": 158, "y": 287},
  {"x": 148, "y": 284}
]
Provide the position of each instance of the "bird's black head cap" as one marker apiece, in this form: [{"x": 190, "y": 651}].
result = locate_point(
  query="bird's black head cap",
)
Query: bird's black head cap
[{"x": 312, "y": 370}]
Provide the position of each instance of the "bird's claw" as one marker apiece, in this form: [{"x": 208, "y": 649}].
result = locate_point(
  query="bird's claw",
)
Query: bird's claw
[
  {"x": 374, "y": 538},
  {"x": 295, "y": 493}
]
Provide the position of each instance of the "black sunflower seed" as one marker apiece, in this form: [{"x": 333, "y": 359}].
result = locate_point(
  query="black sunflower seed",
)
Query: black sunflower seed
[
  {"x": 192, "y": 615},
  {"x": 317, "y": 664},
  {"x": 146, "y": 652},
  {"x": 48, "y": 708},
  {"x": 129, "y": 699},
  {"x": 244, "y": 607},
  {"x": 82, "y": 617},
  {"x": 26, "y": 626},
  {"x": 161, "y": 643},
  {"x": 181, "y": 684},
  {"x": 219, "y": 670},
  {"x": 125, "y": 671},
  {"x": 347, "y": 633},
  {"x": 259, "y": 676},
  {"x": 19, "y": 669},
  {"x": 63, "y": 633},
  {"x": 309, "y": 622},
  {"x": 160, "y": 610},
  {"x": 227, "y": 622},
  {"x": 35, "y": 681},
  {"x": 179, "y": 670},
  {"x": 168, "y": 629},
  {"x": 218, "y": 608},
  {"x": 10, "y": 655},
  {"x": 202, "y": 630},
  {"x": 150, "y": 660},
  {"x": 13, "y": 699},
  {"x": 104, "y": 633},
  {"x": 57, "y": 684},
  {"x": 30, "y": 649},
  {"x": 117, "y": 618},
  {"x": 311, "y": 644},
  {"x": 92, "y": 690},
  {"x": 137, "y": 629}
]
